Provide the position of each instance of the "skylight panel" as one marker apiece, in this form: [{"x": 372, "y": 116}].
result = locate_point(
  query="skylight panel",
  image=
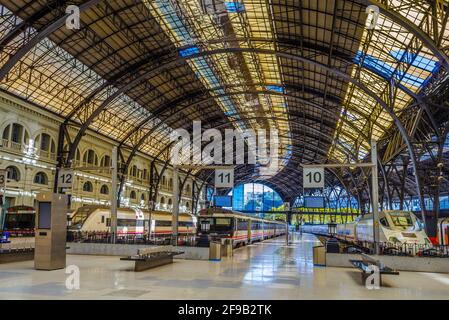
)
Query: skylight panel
[
  {"x": 187, "y": 52},
  {"x": 234, "y": 6},
  {"x": 279, "y": 89},
  {"x": 416, "y": 60}
]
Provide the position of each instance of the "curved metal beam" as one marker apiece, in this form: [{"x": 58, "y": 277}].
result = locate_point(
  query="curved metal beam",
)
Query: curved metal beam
[
  {"x": 336, "y": 72},
  {"x": 45, "y": 32},
  {"x": 163, "y": 67},
  {"x": 156, "y": 114},
  {"x": 21, "y": 27}
]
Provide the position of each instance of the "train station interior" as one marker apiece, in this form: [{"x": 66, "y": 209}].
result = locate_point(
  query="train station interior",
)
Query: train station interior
[{"x": 224, "y": 149}]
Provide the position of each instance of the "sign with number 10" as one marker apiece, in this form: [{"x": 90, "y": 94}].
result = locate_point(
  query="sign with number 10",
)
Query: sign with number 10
[{"x": 313, "y": 178}]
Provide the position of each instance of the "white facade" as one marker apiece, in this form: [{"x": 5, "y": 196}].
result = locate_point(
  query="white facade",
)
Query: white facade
[{"x": 28, "y": 147}]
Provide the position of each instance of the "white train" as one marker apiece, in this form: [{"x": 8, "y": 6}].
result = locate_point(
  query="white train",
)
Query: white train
[
  {"x": 396, "y": 227},
  {"x": 238, "y": 227},
  {"x": 130, "y": 221}
]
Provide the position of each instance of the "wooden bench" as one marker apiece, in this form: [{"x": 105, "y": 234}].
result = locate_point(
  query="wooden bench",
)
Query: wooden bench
[
  {"x": 366, "y": 262},
  {"x": 152, "y": 257}
]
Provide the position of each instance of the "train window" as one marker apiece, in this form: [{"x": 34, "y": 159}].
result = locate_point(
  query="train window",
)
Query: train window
[
  {"x": 162, "y": 223},
  {"x": 401, "y": 219},
  {"x": 242, "y": 224},
  {"x": 205, "y": 224},
  {"x": 223, "y": 221},
  {"x": 79, "y": 217},
  {"x": 19, "y": 221},
  {"x": 185, "y": 224},
  {"x": 126, "y": 222}
]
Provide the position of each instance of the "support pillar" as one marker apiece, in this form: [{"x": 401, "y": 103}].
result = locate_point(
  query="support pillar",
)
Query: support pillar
[
  {"x": 175, "y": 206},
  {"x": 114, "y": 199},
  {"x": 375, "y": 196}
]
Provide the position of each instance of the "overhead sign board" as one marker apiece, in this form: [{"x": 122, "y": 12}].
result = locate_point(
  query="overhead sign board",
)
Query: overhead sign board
[
  {"x": 313, "y": 202},
  {"x": 224, "y": 178},
  {"x": 313, "y": 178},
  {"x": 65, "y": 178}
]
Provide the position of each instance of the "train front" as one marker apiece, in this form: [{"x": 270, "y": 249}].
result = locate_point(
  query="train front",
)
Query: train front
[
  {"x": 213, "y": 226},
  {"x": 403, "y": 230}
]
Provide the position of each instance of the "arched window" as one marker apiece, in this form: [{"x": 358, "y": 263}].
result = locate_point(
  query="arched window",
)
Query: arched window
[
  {"x": 162, "y": 200},
  {"x": 45, "y": 143},
  {"x": 132, "y": 195},
  {"x": 16, "y": 133},
  {"x": 104, "y": 189},
  {"x": 187, "y": 205},
  {"x": 188, "y": 188},
  {"x": 164, "y": 180},
  {"x": 255, "y": 197},
  {"x": 170, "y": 183},
  {"x": 169, "y": 202},
  {"x": 13, "y": 173},
  {"x": 90, "y": 157},
  {"x": 133, "y": 171},
  {"x": 145, "y": 174},
  {"x": 41, "y": 178},
  {"x": 88, "y": 187},
  {"x": 78, "y": 155},
  {"x": 106, "y": 161},
  {"x": 142, "y": 197},
  {"x": 5, "y": 134}
]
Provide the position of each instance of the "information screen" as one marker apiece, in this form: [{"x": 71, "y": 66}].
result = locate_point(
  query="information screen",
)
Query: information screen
[
  {"x": 314, "y": 202},
  {"x": 44, "y": 215},
  {"x": 223, "y": 201}
]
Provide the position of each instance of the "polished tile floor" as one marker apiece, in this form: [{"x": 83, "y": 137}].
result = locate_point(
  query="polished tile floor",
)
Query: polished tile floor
[{"x": 268, "y": 270}]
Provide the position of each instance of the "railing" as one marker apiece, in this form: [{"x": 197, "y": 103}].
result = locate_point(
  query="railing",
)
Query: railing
[
  {"x": 47, "y": 155},
  {"x": 18, "y": 233},
  {"x": 11, "y": 145},
  {"x": 129, "y": 238},
  {"x": 20, "y": 148},
  {"x": 400, "y": 249}
]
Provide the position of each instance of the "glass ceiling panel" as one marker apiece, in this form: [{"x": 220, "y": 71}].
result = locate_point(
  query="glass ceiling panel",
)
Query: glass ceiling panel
[
  {"x": 384, "y": 54},
  {"x": 188, "y": 24}
]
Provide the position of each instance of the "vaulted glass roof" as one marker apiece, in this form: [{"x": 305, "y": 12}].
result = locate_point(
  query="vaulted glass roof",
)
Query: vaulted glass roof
[{"x": 314, "y": 70}]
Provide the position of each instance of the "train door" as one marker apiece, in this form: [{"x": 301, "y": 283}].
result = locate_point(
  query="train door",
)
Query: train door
[
  {"x": 443, "y": 231},
  {"x": 249, "y": 230}
]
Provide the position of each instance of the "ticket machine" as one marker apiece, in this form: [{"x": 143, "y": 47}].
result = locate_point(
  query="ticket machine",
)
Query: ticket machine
[{"x": 51, "y": 231}]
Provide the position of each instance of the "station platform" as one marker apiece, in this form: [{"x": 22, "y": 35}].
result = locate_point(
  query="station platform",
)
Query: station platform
[{"x": 267, "y": 270}]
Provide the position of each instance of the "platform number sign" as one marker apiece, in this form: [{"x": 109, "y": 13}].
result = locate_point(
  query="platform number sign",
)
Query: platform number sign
[
  {"x": 3, "y": 177},
  {"x": 313, "y": 178},
  {"x": 224, "y": 178},
  {"x": 65, "y": 178}
]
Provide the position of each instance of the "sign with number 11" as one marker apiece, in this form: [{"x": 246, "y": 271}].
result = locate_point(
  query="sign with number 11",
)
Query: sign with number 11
[{"x": 224, "y": 178}]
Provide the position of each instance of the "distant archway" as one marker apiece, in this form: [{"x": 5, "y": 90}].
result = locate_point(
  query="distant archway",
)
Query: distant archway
[{"x": 254, "y": 197}]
